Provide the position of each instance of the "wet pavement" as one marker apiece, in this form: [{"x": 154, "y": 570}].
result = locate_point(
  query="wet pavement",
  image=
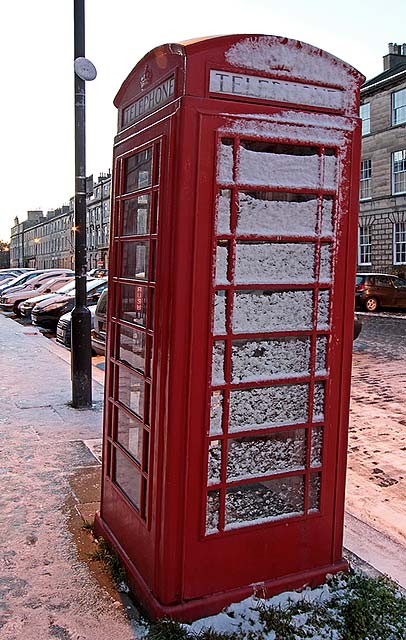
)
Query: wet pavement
[
  {"x": 376, "y": 473},
  {"x": 48, "y": 588}
]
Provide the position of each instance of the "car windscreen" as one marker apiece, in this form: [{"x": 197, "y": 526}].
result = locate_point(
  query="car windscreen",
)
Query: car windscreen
[{"x": 67, "y": 288}]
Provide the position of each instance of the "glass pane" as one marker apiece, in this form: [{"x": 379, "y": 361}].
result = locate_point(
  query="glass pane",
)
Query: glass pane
[
  {"x": 131, "y": 391},
  {"x": 323, "y": 313},
  {"x": 314, "y": 492},
  {"x": 221, "y": 263},
  {"x": 223, "y": 212},
  {"x": 219, "y": 313},
  {"x": 276, "y": 214},
  {"x": 321, "y": 355},
  {"x": 325, "y": 263},
  {"x": 277, "y": 165},
  {"x": 267, "y": 311},
  {"x": 212, "y": 511},
  {"x": 264, "y": 501},
  {"x": 133, "y": 305},
  {"x": 132, "y": 347},
  {"x": 269, "y": 262},
  {"x": 318, "y": 403},
  {"x": 216, "y": 413},
  {"x": 269, "y": 407},
  {"x": 135, "y": 260},
  {"x": 137, "y": 171},
  {"x": 129, "y": 434},
  {"x": 263, "y": 455},
  {"x": 217, "y": 376},
  {"x": 225, "y": 162},
  {"x": 327, "y": 217},
  {"x": 136, "y": 216},
  {"x": 317, "y": 447},
  {"x": 214, "y": 462},
  {"x": 127, "y": 477},
  {"x": 330, "y": 172},
  {"x": 269, "y": 359}
]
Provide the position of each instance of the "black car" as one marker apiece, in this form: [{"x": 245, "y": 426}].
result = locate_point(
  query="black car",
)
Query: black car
[
  {"x": 374, "y": 290},
  {"x": 64, "y": 327},
  {"x": 47, "y": 313},
  {"x": 98, "y": 334}
]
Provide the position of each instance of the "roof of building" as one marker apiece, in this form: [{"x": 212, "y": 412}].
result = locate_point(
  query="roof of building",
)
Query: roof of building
[{"x": 385, "y": 77}]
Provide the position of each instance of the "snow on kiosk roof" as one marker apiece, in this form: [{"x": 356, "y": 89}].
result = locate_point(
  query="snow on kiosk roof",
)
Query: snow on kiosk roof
[{"x": 302, "y": 73}]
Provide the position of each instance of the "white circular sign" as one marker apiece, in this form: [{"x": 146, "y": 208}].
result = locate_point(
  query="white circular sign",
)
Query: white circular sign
[{"x": 85, "y": 69}]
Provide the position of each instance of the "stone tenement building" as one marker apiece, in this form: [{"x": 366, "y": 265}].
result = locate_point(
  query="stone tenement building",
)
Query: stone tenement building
[
  {"x": 382, "y": 220},
  {"x": 47, "y": 241}
]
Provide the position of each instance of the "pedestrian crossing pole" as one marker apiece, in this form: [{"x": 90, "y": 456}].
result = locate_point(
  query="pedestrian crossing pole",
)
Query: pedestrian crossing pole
[{"x": 81, "y": 360}]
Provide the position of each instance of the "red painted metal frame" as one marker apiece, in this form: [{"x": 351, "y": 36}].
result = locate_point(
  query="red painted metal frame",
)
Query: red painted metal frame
[{"x": 173, "y": 566}]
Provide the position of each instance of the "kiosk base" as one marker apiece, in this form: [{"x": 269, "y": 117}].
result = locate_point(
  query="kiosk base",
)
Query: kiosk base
[{"x": 190, "y": 610}]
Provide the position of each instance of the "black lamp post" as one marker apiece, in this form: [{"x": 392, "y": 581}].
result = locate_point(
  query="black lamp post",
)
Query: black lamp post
[{"x": 81, "y": 360}]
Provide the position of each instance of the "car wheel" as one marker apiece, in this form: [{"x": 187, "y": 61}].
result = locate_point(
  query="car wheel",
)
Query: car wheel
[
  {"x": 371, "y": 304},
  {"x": 16, "y": 310}
]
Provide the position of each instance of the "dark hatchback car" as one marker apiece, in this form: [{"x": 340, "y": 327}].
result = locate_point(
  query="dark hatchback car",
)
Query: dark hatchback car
[
  {"x": 98, "y": 333},
  {"x": 375, "y": 290},
  {"x": 47, "y": 313}
]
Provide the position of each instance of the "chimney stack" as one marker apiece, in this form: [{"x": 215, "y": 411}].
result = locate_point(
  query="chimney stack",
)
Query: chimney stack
[{"x": 396, "y": 55}]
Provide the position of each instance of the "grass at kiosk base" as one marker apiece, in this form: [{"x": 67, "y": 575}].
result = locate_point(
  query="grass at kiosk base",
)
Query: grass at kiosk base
[{"x": 347, "y": 607}]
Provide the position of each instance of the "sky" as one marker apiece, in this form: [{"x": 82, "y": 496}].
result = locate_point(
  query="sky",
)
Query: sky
[{"x": 36, "y": 48}]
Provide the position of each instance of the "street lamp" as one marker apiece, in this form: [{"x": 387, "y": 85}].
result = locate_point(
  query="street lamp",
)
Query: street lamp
[{"x": 36, "y": 242}]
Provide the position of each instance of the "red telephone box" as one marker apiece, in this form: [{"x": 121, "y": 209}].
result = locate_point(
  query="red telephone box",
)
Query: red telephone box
[{"x": 231, "y": 300}]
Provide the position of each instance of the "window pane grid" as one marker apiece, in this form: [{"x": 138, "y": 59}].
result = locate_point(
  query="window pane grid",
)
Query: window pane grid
[
  {"x": 366, "y": 179},
  {"x": 399, "y": 107},
  {"x": 365, "y": 115},
  {"x": 399, "y": 171},
  {"x": 365, "y": 245},
  {"x": 400, "y": 243}
]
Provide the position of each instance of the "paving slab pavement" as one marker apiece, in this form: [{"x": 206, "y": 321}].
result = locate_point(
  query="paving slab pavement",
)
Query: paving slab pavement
[{"x": 46, "y": 591}]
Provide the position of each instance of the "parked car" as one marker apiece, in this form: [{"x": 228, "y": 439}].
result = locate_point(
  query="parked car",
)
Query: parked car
[
  {"x": 357, "y": 327},
  {"x": 47, "y": 313},
  {"x": 35, "y": 276},
  {"x": 12, "y": 300},
  {"x": 64, "y": 326},
  {"x": 26, "y": 307},
  {"x": 9, "y": 274},
  {"x": 98, "y": 333},
  {"x": 375, "y": 290},
  {"x": 98, "y": 273}
]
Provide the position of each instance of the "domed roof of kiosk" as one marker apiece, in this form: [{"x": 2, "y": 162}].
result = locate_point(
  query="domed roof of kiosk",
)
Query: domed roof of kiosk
[{"x": 276, "y": 55}]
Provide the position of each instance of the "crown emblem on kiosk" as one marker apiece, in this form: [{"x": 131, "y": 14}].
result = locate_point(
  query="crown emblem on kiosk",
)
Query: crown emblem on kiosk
[{"x": 146, "y": 77}]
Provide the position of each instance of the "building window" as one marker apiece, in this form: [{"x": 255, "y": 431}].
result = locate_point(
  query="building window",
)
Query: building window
[
  {"x": 365, "y": 115},
  {"x": 364, "y": 245},
  {"x": 398, "y": 107},
  {"x": 399, "y": 243},
  {"x": 399, "y": 171},
  {"x": 365, "y": 183}
]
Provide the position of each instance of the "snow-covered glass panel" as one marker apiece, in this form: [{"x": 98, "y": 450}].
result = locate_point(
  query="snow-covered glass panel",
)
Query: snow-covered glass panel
[
  {"x": 267, "y": 311},
  {"x": 212, "y": 511},
  {"x": 216, "y": 413},
  {"x": 268, "y": 407},
  {"x": 276, "y": 214},
  {"x": 219, "y": 313},
  {"x": 321, "y": 355},
  {"x": 327, "y": 217},
  {"x": 127, "y": 477},
  {"x": 217, "y": 370},
  {"x": 271, "y": 262},
  {"x": 277, "y": 165},
  {"x": 318, "y": 402},
  {"x": 330, "y": 170},
  {"x": 129, "y": 434},
  {"x": 323, "y": 310},
  {"x": 325, "y": 262},
  {"x": 314, "y": 492},
  {"x": 253, "y": 360},
  {"x": 263, "y": 455},
  {"x": 221, "y": 262},
  {"x": 317, "y": 447},
  {"x": 214, "y": 470},
  {"x": 223, "y": 212},
  {"x": 264, "y": 501},
  {"x": 225, "y": 162}
]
